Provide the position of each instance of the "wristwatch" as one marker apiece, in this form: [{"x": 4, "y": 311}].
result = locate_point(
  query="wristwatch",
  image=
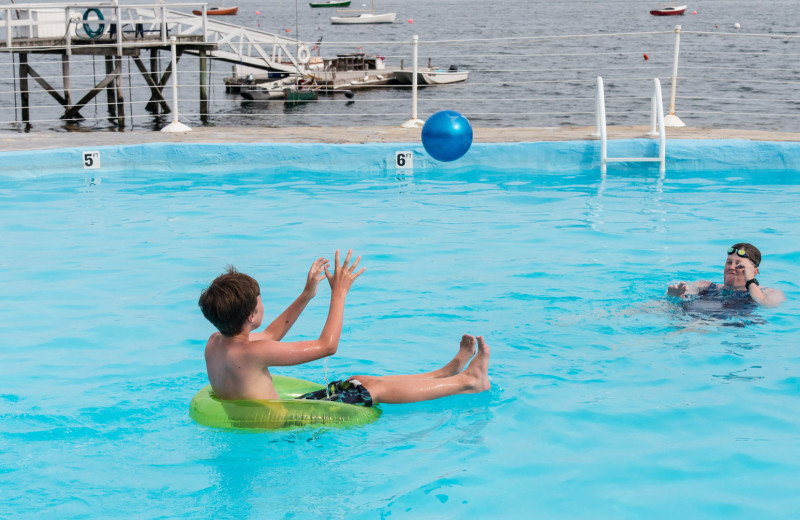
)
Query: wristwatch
[{"x": 748, "y": 282}]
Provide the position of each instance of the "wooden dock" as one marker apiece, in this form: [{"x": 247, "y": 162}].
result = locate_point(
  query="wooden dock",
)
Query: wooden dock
[{"x": 135, "y": 32}]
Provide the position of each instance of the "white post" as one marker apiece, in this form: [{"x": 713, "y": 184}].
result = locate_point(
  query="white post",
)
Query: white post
[
  {"x": 175, "y": 125},
  {"x": 68, "y": 36},
  {"x": 8, "y": 29},
  {"x": 205, "y": 24},
  {"x": 118, "y": 20},
  {"x": 163, "y": 24},
  {"x": 671, "y": 119},
  {"x": 414, "y": 122}
]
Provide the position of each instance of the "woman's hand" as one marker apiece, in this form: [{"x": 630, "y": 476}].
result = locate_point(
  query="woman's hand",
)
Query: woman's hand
[{"x": 343, "y": 276}]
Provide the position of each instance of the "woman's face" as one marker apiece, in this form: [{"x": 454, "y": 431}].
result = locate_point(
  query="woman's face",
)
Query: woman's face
[{"x": 735, "y": 267}]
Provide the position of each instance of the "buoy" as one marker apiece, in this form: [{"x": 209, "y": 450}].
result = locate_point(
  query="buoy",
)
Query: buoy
[
  {"x": 258, "y": 13},
  {"x": 737, "y": 26},
  {"x": 646, "y": 57},
  {"x": 694, "y": 12},
  {"x": 447, "y": 135},
  {"x": 410, "y": 20}
]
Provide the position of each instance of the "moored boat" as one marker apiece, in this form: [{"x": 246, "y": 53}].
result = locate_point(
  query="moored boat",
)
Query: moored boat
[
  {"x": 368, "y": 16},
  {"x": 364, "y": 18},
  {"x": 432, "y": 76},
  {"x": 332, "y": 3},
  {"x": 669, "y": 10},
  {"x": 211, "y": 11}
]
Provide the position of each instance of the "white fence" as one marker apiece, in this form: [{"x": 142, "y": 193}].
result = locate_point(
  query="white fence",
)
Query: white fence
[{"x": 716, "y": 79}]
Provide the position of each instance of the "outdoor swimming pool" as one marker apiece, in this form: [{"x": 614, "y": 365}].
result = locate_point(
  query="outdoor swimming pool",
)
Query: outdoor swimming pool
[{"x": 607, "y": 401}]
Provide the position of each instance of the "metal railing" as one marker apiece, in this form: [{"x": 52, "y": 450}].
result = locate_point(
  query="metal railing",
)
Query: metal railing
[
  {"x": 726, "y": 79},
  {"x": 656, "y": 128}
]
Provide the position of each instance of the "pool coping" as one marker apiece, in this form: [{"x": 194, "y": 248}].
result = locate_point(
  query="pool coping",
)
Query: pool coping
[
  {"x": 357, "y": 135},
  {"x": 381, "y": 158}
]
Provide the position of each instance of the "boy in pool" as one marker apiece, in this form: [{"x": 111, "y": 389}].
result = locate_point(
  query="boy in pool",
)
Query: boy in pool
[
  {"x": 739, "y": 277},
  {"x": 238, "y": 360}
]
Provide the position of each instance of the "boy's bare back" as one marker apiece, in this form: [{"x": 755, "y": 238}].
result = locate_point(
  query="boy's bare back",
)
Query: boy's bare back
[{"x": 238, "y": 363}]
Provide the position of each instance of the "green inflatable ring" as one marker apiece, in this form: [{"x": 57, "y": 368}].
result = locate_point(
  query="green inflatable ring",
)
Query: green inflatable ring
[
  {"x": 91, "y": 33},
  {"x": 272, "y": 414}
]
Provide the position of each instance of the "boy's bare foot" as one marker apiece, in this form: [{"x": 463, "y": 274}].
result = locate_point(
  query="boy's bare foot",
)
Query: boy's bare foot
[
  {"x": 465, "y": 352},
  {"x": 478, "y": 369}
]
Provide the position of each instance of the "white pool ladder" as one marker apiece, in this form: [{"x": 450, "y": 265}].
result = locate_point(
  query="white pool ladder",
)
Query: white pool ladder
[{"x": 656, "y": 120}]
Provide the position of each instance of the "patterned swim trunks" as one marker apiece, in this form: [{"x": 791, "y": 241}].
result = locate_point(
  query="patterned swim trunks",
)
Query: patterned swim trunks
[{"x": 350, "y": 392}]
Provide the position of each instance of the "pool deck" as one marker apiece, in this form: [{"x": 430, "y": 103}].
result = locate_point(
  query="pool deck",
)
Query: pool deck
[{"x": 356, "y": 135}]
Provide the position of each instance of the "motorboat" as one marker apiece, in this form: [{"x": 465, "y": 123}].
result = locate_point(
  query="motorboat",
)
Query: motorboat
[
  {"x": 364, "y": 17},
  {"x": 265, "y": 91},
  {"x": 431, "y": 76},
  {"x": 669, "y": 10}
]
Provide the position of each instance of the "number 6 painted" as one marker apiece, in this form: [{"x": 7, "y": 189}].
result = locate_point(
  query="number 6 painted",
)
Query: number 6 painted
[{"x": 404, "y": 160}]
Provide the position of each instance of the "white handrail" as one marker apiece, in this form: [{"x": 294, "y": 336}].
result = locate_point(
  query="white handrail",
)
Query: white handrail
[{"x": 656, "y": 121}]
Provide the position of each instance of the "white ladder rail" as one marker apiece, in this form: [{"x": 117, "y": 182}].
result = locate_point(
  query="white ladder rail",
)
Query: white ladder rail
[{"x": 656, "y": 128}]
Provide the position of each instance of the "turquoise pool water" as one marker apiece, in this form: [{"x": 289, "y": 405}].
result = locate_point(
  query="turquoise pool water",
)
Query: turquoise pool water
[{"x": 607, "y": 401}]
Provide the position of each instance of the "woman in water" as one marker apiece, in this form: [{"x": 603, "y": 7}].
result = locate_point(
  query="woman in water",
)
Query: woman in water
[{"x": 739, "y": 281}]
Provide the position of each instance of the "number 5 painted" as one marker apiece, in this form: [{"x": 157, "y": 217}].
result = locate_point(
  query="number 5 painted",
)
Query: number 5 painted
[{"x": 91, "y": 160}]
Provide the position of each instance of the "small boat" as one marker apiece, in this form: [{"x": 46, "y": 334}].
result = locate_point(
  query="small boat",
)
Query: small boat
[
  {"x": 299, "y": 94},
  {"x": 365, "y": 17},
  {"x": 266, "y": 91},
  {"x": 432, "y": 76},
  {"x": 669, "y": 10},
  {"x": 211, "y": 11},
  {"x": 332, "y": 3}
]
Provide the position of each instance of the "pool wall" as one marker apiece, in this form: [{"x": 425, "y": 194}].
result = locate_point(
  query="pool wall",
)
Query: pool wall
[{"x": 547, "y": 157}]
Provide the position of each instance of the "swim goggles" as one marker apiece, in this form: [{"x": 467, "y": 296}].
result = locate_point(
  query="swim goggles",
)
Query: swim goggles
[{"x": 739, "y": 252}]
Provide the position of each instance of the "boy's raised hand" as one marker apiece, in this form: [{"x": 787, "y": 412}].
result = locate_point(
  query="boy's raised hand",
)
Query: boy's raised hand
[
  {"x": 315, "y": 275},
  {"x": 343, "y": 275}
]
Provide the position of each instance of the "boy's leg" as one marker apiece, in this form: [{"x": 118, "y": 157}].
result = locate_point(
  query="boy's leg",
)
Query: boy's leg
[
  {"x": 465, "y": 352},
  {"x": 403, "y": 389}
]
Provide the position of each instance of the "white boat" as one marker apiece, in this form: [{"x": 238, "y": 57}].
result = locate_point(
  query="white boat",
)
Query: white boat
[
  {"x": 364, "y": 17},
  {"x": 432, "y": 76},
  {"x": 267, "y": 91}
]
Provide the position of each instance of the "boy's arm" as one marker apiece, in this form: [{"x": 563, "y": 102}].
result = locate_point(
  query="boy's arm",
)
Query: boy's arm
[
  {"x": 281, "y": 325},
  {"x": 275, "y": 353}
]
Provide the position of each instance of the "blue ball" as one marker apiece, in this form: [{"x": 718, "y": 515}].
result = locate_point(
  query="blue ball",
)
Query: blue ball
[{"x": 447, "y": 135}]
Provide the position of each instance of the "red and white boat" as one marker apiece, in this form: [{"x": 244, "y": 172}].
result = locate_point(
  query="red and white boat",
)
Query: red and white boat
[{"x": 668, "y": 11}]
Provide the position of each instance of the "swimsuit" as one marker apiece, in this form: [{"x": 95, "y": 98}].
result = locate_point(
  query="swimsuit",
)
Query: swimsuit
[
  {"x": 350, "y": 392},
  {"x": 733, "y": 308}
]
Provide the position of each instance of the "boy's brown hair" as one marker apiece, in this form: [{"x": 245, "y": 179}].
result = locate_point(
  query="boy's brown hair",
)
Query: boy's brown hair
[{"x": 230, "y": 299}]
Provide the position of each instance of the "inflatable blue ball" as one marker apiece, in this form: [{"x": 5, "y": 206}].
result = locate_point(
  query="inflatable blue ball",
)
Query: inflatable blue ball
[{"x": 447, "y": 135}]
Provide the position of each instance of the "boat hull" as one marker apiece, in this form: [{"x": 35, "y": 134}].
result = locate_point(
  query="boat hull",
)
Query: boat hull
[
  {"x": 364, "y": 18},
  {"x": 431, "y": 76},
  {"x": 217, "y": 11},
  {"x": 669, "y": 11},
  {"x": 330, "y": 4}
]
